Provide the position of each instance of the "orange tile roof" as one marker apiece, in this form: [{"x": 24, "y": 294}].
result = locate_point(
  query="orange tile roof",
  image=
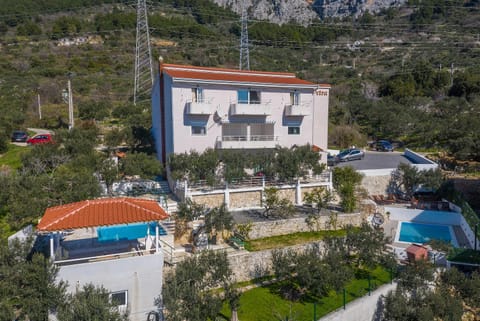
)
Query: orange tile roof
[
  {"x": 234, "y": 75},
  {"x": 99, "y": 212}
]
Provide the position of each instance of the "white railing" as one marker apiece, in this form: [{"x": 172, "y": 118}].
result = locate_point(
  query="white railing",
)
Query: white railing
[
  {"x": 297, "y": 110},
  {"x": 246, "y": 142},
  {"x": 106, "y": 257},
  {"x": 256, "y": 181},
  {"x": 199, "y": 107},
  {"x": 252, "y": 108}
]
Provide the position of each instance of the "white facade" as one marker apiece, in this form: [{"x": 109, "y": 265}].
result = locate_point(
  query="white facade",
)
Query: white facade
[
  {"x": 137, "y": 278},
  {"x": 197, "y": 108}
]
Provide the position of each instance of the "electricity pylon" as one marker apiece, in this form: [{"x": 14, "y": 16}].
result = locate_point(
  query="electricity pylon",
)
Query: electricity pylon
[
  {"x": 244, "y": 54},
  {"x": 143, "y": 56}
]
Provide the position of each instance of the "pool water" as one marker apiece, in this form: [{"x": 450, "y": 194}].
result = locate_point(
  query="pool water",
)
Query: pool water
[
  {"x": 423, "y": 233},
  {"x": 127, "y": 231}
]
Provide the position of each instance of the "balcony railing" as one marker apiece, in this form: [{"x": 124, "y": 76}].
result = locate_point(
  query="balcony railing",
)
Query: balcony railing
[
  {"x": 200, "y": 107},
  {"x": 243, "y": 141},
  {"x": 297, "y": 110},
  {"x": 255, "y": 109}
]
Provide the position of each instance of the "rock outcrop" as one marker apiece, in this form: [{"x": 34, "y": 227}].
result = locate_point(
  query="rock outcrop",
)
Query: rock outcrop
[{"x": 306, "y": 11}]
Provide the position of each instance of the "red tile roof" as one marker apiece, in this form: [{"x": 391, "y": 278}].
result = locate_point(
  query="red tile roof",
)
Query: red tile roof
[
  {"x": 233, "y": 75},
  {"x": 99, "y": 212}
]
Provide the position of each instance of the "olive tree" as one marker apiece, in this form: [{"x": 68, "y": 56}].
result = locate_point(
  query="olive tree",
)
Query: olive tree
[
  {"x": 188, "y": 291},
  {"x": 346, "y": 182}
]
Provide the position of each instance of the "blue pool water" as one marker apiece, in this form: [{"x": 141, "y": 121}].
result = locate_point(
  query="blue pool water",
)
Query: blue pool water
[
  {"x": 127, "y": 231},
  {"x": 423, "y": 233}
]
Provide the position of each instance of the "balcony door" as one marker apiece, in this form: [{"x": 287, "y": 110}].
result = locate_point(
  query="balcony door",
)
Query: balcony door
[{"x": 197, "y": 95}]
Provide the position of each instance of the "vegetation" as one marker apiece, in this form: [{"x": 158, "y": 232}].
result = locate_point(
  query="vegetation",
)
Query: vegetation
[
  {"x": 346, "y": 182},
  {"x": 217, "y": 166},
  {"x": 452, "y": 297},
  {"x": 275, "y": 206},
  {"x": 29, "y": 289},
  {"x": 266, "y": 303},
  {"x": 279, "y": 241},
  {"x": 90, "y": 303},
  {"x": 187, "y": 292}
]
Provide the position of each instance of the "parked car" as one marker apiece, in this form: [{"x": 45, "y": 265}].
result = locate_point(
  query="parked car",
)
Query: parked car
[
  {"x": 384, "y": 146},
  {"x": 40, "y": 139},
  {"x": 349, "y": 155},
  {"x": 331, "y": 161},
  {"x": 19, "y": 136}
]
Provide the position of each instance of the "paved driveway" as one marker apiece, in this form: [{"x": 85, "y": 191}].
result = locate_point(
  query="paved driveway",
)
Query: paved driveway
[{"x": 378, "y": 160}]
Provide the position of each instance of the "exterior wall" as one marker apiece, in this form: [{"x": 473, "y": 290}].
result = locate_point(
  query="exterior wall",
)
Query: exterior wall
[
  {"x": 246, "y": 199},
  {"x": 298, "y": 224},
  {"x": 141, "y": 276},
  {"x": 156, "y": 117},
  {"x": 221, "y": 97},
  {"x": 169, "y": 125},
  {"x": 320, "y": 121}
]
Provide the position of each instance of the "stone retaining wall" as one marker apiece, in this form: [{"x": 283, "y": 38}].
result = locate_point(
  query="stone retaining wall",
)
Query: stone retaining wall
[
  {"x": 298, "y": 224},
  {"x": 245, "y": 199},
  {"x": 209, "y": 200},
  {"x": 376, "y": 185},
  {"x": 250, "y": 265}
]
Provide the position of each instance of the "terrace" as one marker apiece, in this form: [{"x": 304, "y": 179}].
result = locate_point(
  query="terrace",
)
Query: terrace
[{"x": 105, "y": 229}]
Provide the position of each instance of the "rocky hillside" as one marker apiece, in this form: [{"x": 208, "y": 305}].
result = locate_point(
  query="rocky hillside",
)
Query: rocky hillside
[
  {"x": 345, "y": 8},
  {"x": 305, "y": 11}
]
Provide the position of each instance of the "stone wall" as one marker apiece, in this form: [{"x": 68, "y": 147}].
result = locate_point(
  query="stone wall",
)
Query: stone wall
[
  {"x": 288, "y": 193},
  {"x": 209, "y": 200},
  {"x": 298, "y": 224},
  {"x": 376, "y": 185},
  {"x": 250, "y": 265},
  {"x": 245, "y": 199}
]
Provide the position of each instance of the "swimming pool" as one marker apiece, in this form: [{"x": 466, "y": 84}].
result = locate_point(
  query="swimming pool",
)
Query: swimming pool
[
  {"x": 411, "y": 232},
  {"x": 127, "y": 231}
]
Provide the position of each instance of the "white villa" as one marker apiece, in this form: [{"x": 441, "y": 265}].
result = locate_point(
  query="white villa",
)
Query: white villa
[
  {"x": 118, "y": 243},
  {"x": 195, "y": 108}
]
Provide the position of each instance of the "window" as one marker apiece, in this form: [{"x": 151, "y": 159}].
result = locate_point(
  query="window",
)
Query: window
[
  {"x": 119, "y": 298},
  {"x": 199, "y": 130},
  {"x": 197, "y": 95},
  {"x": 294, "y": 98},
  {"x": 248, "y": 97},
  {"x": 294, "y": 130}
]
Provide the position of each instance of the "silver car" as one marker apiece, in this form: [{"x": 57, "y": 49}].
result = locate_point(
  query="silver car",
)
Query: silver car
[{"x": 350, "y": 155}]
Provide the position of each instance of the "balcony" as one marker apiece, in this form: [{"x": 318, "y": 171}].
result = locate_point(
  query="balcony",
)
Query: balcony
[
  {"x": 202, "y": 107},
  {"x": 263, "y": 109},
  {"x": 245, "y": 142},
  {"x": 297, "y": 110}
]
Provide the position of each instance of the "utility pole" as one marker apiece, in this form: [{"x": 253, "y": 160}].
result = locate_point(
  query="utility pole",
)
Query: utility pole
[
  {"x": 70, "y": 105},
  {"x": 451, "y": 75},
  {"x": 244, "y": 53},
  {"x": 143, "y": 55},
  {"x": 39, "y": 106}
]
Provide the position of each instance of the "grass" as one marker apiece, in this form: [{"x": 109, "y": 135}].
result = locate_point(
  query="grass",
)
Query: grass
[
  {"x": 289, "y": 240},
  {"x": 12, "y": 157},
  {"x": 265, "y": 304}
]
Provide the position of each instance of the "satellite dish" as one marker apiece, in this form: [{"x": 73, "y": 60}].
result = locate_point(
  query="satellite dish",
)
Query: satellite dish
[{"x": 217, "y": 118}]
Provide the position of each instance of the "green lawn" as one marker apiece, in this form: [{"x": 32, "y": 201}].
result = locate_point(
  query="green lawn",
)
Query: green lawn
[
  {"x": 264, "y": 304},
  {"x": 289, "y": 240},
  {"x": 11, "y": 157}
]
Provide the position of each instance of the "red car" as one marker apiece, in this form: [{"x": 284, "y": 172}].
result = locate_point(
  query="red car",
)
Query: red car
[{"x": 40, "y": 139}]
